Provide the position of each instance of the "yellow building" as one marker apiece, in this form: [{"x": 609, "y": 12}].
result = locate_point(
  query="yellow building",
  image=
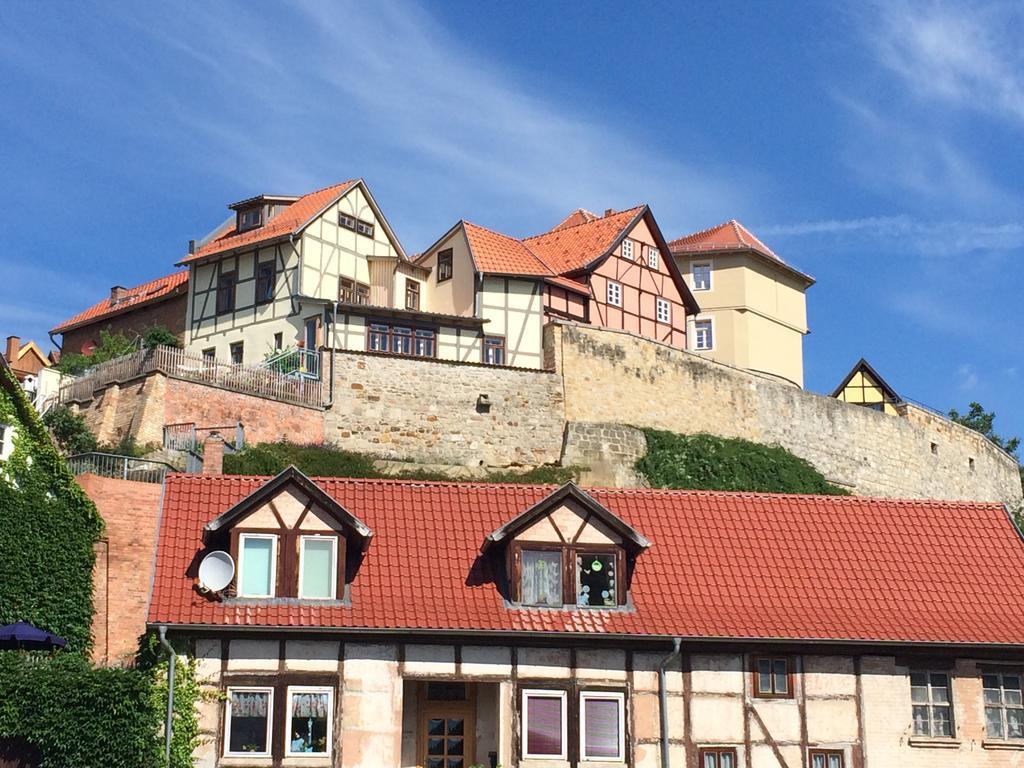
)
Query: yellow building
[
  {"x": 753, "y": 309},
  {"x": 863, "y": 386}
]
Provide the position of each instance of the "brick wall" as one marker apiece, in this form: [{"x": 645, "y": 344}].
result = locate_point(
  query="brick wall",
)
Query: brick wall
[
  {"x": 427, "y": 411},
  {"x": 124, "y": 563},
  {"x": 615, "y": 377},
  {"x": 169, "y": 314}
]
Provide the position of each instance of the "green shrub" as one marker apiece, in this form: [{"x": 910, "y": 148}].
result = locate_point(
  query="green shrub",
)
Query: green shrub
[
  {"x": 78, "y": 715},
  {"x": 715, "y": 463},
  {"x": 69, "y": 430}
]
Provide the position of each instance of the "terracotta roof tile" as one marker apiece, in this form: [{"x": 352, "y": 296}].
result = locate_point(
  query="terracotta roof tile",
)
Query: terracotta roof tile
[
  {"x": 728, "y": 236},
  {"x": 722, "y": 565},
  {"x": 500, "y": 254},
  {"x": 159, "y": 289},
  {"x": 570, "y": 248},
  {"x": 287, "y": 222},
  {"x": 579, "y": 216}
]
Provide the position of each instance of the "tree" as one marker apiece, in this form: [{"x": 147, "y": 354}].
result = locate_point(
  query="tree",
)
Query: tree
[
  {"x": 69, "y": 430},
  {"x": 980, "y": 420},
  {"x": 111, "y": 345}
]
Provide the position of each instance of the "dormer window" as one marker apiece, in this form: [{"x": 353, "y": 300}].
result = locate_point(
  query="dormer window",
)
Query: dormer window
[
  {"x": 257, "y": 565},
  {"x": 318, "y": 567},
  {"x": 567, "y": 551},
  {"x": 250, "y": 218}
]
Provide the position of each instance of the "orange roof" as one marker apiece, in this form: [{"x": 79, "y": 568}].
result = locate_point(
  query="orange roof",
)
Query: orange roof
[
  {"x": 721, "y": 565},
  {"x": 289, "y": 221},
  {"x": 573, "y": 247},
  {"x": 501, "y": 254},
  {"x": 729, "y": 236},
  {"x": 579, "y": 216},
  {"x": 161, "y": 288}
]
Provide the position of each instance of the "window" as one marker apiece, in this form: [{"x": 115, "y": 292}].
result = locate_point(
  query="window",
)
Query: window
[
  {"x": 444, "y": 265},
  {"x": 356, "y": 225},
  {"x": 544, "y": 724},
  {"x": 237, "y": 350},
  {"x": 652, "y": 257},
  {"x": 717, "y": 757},
  {"x": 826, "y": 758},
  {"x": 1004, "y": 710},
  {"x": 364, "y": 227},
  {"x": 278, "y": 341},
  {"x": 257, "y": 565},
  {"x": 310, "y": 713},
  {"x": 353, "y": 292},
  {"x": 412, "y": 295},
  {"x": 627, "y": 249},
  {"x": 773, "y": 677},
  {"x": 602, "y": 726},
  {"x": 663, "y": 310},
  {"x": 701, "y": 276},
  {"x": 247, "y": 719},
  {"x": 250, "y": 218},
  {"x": 401, "y": 340},
  {"x": 704, "y": 335},
  {"x": 494, "y": 350},
  {"x": 614, "y": 294},
  {"x": 594, "y": 585},
  {"x": 318, "y": 567},
  {"x": 595, "y": 580},
  {"x": 541, "y": 578},
  {"x": 226, "y": 292},
  {"x": 932, "y": 708},
  {"x": 209, "y": 355},
  {"x": 266, "y": 274},
  {"x": 310, "y": 332}
]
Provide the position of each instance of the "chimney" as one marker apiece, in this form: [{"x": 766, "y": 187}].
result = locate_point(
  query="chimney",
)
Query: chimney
[
  {"x": 191, "y": 247},
  {"x": 609, "y": 211},
  {"x": 13, "y": 348},
  {"x": 117, "y": 293},
  {"x": 213, "y": 455}
]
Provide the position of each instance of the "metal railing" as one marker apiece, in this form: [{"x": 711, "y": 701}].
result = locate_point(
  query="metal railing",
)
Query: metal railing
[
  {"x": 124, "y": 467},
  {"x": 303, "y": 363},
  {"x": 187, "y": 436},
  {"x": 300, "y": 386}
]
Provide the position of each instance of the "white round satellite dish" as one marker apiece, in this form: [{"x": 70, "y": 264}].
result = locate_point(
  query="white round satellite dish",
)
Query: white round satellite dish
[{"x": 216, "y": 571}]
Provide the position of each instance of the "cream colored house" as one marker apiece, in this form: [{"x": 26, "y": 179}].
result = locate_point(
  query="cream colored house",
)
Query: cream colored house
[
  {"x": 864, "y": 386},
  {"x": 753, "y": 309}
]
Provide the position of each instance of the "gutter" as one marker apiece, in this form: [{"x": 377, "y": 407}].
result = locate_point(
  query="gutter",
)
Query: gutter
[
  {"x": 663, "y": 698},
  {"x": 172, "y": 659}
]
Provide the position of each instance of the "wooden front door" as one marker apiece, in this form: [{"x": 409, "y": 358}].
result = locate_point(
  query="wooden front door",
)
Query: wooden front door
[{"x": 447, "y": 726}]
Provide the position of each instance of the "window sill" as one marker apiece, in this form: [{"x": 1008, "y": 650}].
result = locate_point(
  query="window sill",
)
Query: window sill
[
  {"x": 1003, "y": 744},
  {"x": 935, "y": 743}
]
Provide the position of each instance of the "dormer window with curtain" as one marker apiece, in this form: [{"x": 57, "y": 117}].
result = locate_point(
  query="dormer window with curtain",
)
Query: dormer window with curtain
[
  {"x": 567, "y": 552},
  {"x": 290, "y": 541}
]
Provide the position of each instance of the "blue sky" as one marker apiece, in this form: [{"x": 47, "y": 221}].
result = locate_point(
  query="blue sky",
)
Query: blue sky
[{"x": 876, "y": 147}]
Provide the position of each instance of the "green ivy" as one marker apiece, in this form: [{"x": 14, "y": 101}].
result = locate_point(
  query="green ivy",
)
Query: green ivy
[
  {"x": 708, "y": 462},
  {"x": 48, "y": 528},
  {"x": 324, "y": 461},
  {"x": 188, "y": 692},
  {"x": 78, "y": 715}
]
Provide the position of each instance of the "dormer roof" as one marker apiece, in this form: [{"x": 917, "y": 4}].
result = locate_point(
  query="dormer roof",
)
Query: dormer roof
[{"x": 863, "y": 366}]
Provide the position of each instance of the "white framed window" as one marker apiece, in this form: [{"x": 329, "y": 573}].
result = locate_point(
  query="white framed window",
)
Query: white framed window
[
  {"x": 652, "y": 256},
  {"x": 1004, "y": 706},
  {"x": 6, "y": 441},
  {"x": 544, "y": 724},
  {"x": 318, "y": 567},
  {"x": 627, "y": 249},
  {"x": 602, "y": 726},
  {"x": 248, "y": 717},
  {"x": 700, "y": 272},
  {"x": 663, "y": 310},
  {"x": 257, "y": 564},
  {"x": 932, "y": 704},
  {"x": 310, "y": 716},
  {"x": 704, "y": 335},
  {"x": 614, "y": 293}
]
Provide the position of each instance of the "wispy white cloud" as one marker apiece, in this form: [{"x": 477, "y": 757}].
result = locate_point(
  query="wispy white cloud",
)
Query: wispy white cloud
[{"x": 967, "y": 377}]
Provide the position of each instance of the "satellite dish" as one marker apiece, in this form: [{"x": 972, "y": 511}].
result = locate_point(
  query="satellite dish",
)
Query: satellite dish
[{"x": 216, "y": 571}]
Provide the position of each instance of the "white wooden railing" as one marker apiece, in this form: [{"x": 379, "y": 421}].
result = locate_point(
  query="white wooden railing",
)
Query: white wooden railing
[{"x": 249, "y": 379}]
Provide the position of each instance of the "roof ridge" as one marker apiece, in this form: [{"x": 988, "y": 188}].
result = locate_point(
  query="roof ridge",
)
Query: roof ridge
[
  {"x": 520, "y": 241},
  {"x": 584, "y": 223},
  {"x": 705, "y": 231}
]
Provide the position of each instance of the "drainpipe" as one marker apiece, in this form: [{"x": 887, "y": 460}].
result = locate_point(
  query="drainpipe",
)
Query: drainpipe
[
  {"x": 334, "y": 344},
  {"x": 172, "y": 659},
  {"x": 663, "y": 698}
]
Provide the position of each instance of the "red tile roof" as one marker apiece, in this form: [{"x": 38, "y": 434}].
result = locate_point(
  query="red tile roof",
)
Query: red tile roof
[
  {"x": 500, "y": 254},
  {"x": 579, "y": 216},
  {"x": 721, "y": 565},
  {"x": 570, "y": 248},
  {"x": 288, "y": 221},
  {"x": 161, "y": 288},
  {"x": 729, "y": 236}
]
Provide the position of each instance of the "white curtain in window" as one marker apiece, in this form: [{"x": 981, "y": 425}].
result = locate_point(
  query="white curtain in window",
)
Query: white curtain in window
[
  {"x": 249, "y": 704},
  {"x": 317, "y": 566},
  {"x": 257, "y": 563},
  {"x": 309, "y": 704},
  {"x": 541, "y": 578}
]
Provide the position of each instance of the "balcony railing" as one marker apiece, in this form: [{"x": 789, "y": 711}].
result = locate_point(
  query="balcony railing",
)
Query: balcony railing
[
  {"x": 301, "y": 386},
  {"x": 123, "y": 467}
]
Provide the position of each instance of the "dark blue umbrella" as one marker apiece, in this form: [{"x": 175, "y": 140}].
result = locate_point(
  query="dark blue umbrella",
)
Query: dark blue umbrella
[{"x": 22, "y": 636}]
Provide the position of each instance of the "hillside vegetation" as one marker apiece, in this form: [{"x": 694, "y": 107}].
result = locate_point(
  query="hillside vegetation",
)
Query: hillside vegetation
[{"x": 707, "y": 462}]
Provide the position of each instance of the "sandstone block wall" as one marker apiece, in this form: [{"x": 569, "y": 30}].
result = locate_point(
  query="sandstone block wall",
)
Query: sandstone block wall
[
  {"x": 429, "y": 411},
  {"x": 607, "y": 452},
  {"x": 616, "y": 377},
  {"x": 124, "y": 564}
]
